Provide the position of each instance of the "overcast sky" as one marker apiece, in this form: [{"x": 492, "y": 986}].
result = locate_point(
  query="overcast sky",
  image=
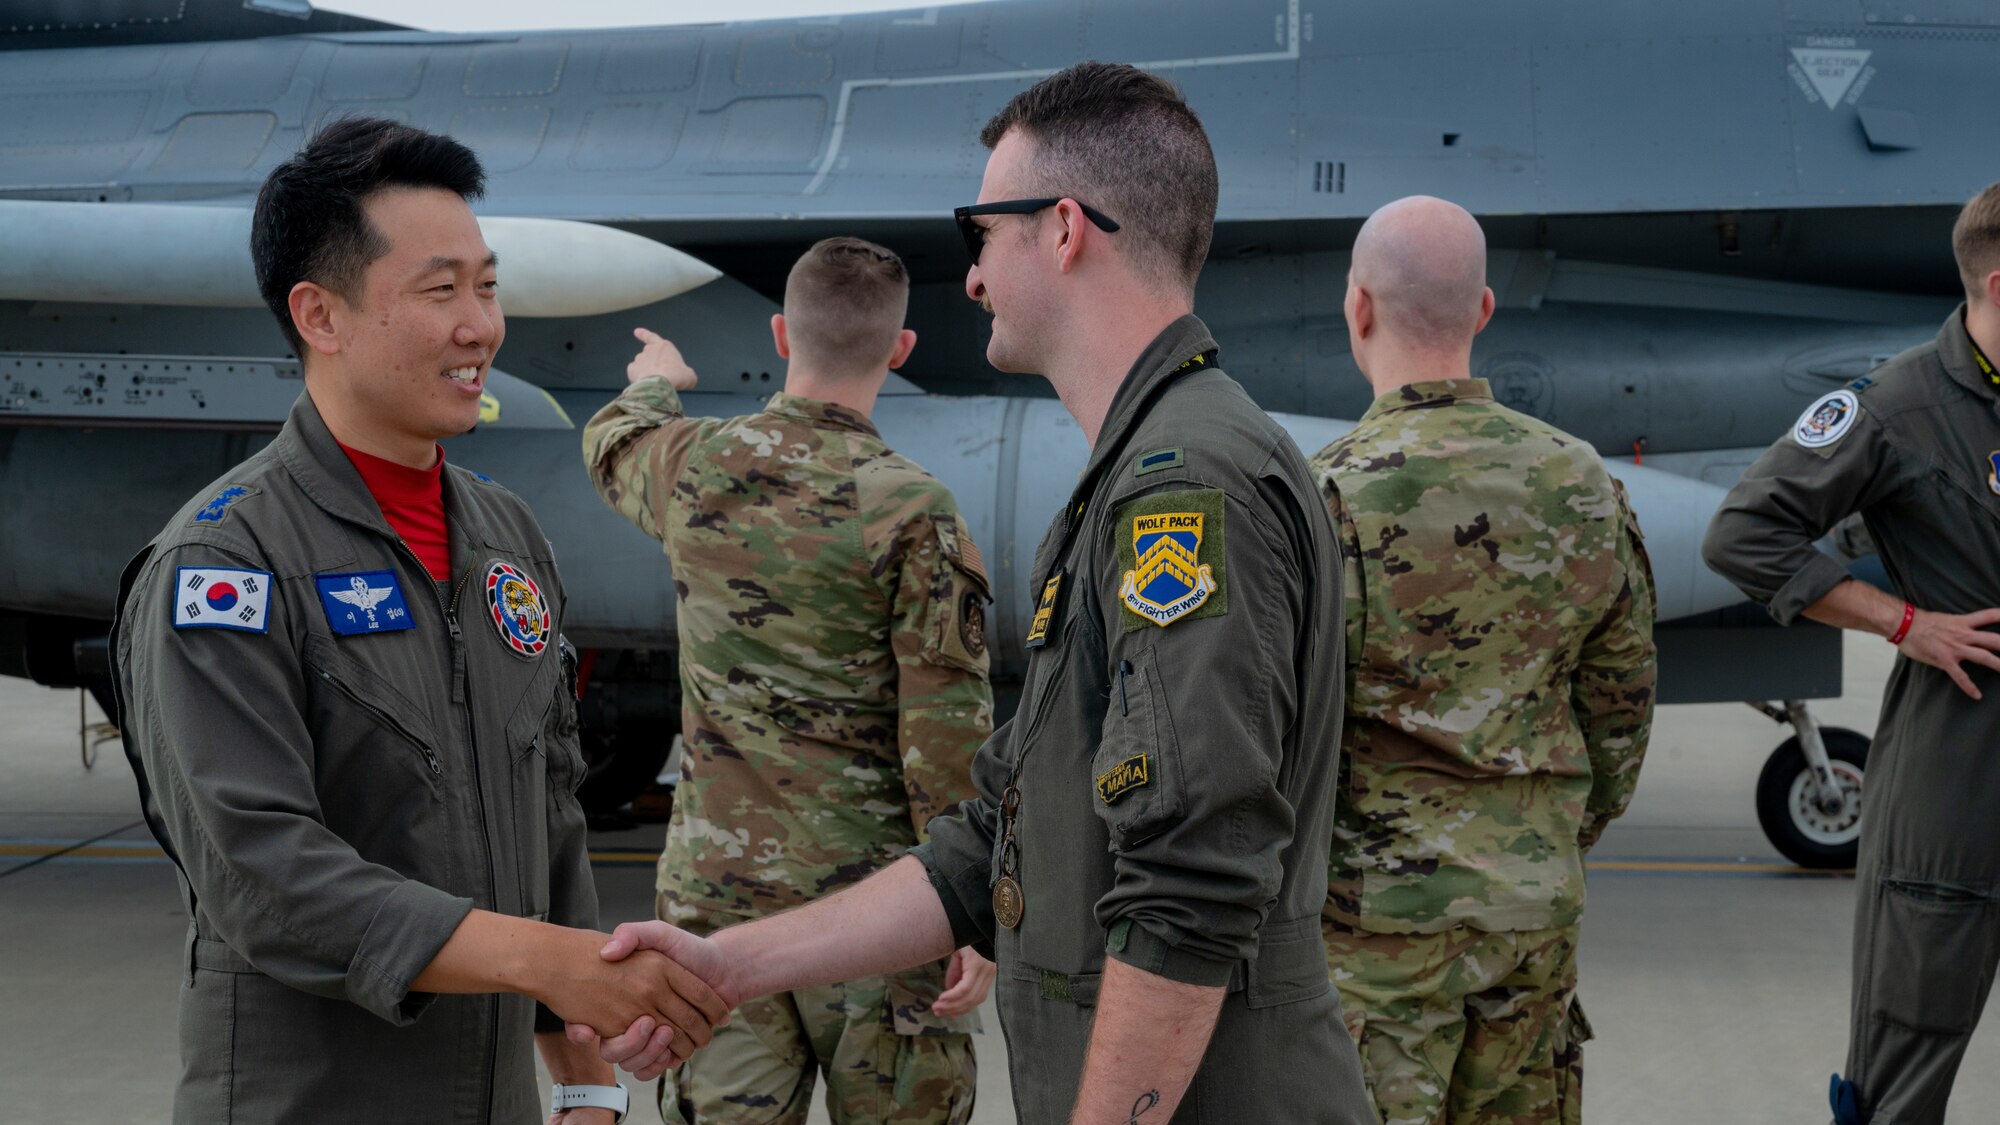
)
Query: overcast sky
[{"x": 527, "y": 15}]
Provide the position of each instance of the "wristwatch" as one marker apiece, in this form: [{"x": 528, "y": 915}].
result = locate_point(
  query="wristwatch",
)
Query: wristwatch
[{"x": 613, "y": 1098}]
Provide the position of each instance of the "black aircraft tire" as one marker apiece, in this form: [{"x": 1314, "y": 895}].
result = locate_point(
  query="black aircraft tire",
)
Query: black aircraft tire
[{"x": 1805, "y": 835}]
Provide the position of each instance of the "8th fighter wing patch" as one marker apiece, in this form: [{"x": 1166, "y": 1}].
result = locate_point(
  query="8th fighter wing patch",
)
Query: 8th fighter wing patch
[
  {"x": 1170, "y": 557},
  {"x": 220, "y": 597}
]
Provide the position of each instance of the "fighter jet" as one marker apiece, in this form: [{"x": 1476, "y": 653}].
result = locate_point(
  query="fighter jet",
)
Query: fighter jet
[{"x": 1703, "y": 216}]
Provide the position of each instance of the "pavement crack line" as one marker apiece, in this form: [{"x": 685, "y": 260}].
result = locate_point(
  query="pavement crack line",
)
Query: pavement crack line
[{"x": 80, "y": 844}]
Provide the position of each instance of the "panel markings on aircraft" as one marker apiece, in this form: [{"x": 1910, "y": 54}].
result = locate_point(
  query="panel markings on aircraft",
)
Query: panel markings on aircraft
[{"x": 1830, "y": 72}]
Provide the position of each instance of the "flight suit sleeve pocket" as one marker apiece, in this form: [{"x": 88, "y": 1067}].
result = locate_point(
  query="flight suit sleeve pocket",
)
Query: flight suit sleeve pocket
[{"x": 1136, "y": 772}]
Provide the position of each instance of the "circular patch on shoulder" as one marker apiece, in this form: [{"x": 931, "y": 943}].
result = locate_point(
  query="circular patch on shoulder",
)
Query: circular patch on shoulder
[
  {"x": 520, "y": 612},
  {"x": 972, "y": 624},
  {"x": 1827, "y": 420}
]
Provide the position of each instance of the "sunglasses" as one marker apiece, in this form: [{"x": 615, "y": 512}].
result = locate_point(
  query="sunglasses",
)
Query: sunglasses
[{"x": 975, "y": 235}]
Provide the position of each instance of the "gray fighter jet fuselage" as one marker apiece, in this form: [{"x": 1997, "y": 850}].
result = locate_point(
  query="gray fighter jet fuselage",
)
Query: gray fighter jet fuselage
[{"x": 1702, "y": 216}]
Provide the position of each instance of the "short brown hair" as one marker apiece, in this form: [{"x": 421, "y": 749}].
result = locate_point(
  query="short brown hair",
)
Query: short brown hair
[
  {"x": 844, "y": 305},
  {"x": 1128, "y": 144},
  {"x": 1975, "y": 239}
]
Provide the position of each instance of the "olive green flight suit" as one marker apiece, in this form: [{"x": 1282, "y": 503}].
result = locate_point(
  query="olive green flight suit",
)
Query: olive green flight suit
[
  {"x": 343, "y": 759},
  {"x": 1175, "y": 751},
  {"x": 1914, "y": 448}
]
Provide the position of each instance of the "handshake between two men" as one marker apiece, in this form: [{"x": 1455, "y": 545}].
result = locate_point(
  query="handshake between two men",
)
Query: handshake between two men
[{"x": 657, "y": 991}]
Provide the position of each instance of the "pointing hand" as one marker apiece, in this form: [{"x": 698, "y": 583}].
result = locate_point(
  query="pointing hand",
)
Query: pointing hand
[{"x": 659, "y": 357}]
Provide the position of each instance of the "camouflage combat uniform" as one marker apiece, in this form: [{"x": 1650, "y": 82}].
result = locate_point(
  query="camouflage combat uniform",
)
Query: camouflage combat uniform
[
  {"x": 833, "y": 669},
  {"x": 1500, "y": 663}
]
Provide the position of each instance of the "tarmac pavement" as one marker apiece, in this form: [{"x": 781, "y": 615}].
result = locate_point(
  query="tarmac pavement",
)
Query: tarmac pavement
[{"x": 1715, "y": 977}]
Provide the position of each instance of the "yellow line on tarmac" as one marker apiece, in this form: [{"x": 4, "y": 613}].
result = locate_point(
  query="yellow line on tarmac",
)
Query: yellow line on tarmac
[
  {"x": 151, "y": 851},
  {"x": 1721, "y": 868},
  {"x": 102, "y": 851}
]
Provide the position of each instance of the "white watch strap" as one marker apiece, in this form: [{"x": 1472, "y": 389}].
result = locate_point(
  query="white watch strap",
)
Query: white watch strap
[{"x": 613, "y": 1098}]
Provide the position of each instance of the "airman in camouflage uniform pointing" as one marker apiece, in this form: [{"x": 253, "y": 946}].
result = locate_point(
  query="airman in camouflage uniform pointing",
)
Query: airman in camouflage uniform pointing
[
  {"x": 833, "y": 669},
  {"x": 1501, "y": 665}
]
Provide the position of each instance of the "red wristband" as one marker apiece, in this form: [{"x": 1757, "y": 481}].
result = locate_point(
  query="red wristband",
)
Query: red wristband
[{"x": 1903, "y": 630}]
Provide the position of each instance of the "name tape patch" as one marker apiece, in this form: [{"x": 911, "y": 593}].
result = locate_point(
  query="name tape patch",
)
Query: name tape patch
[
  {"x": 368, "y": 601},
  {"x": 1134, "y": 772},
  {"x": 219, "y": 597}
]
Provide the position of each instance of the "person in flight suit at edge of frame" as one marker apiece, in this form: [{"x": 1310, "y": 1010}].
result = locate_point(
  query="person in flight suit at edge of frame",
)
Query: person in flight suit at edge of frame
[
  {"x": 1147, "y": 854},
  {"x": 1914, "y": 448},
  {"x": 342, "y": 686},
  {"x": 831, "y": 609},
  {"x": 1501, "y": 669}
]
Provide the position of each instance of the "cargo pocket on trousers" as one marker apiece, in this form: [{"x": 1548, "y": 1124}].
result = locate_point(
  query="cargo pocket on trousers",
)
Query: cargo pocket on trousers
[
  {"x": 926, "y": 1058},
  {"x": 1925, "y": 940}
]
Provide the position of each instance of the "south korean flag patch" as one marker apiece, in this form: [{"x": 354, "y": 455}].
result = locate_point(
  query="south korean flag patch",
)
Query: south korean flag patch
[{"x": 217, "y": 597}]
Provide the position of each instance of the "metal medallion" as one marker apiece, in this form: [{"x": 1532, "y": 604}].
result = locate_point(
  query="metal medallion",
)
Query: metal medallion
[{"x": 1008, "y": 902}]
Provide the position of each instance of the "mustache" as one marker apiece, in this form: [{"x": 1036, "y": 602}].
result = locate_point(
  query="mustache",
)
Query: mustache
[{"x": 986, "y": 304}]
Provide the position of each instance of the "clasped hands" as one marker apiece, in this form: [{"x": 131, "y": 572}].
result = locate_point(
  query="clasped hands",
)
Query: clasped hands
[{"x": 659, "y": 992}]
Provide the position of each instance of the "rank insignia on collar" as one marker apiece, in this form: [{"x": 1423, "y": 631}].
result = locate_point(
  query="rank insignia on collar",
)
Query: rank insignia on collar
[
  {"x": 520, "y": 612},
  {"x": 1166, "y": 576},
  {"x": 366, "y": 602},
  {"x": 216, "y": 597},
  {"x": 1045, "y": 611},
  {"x": 1993, "y": 478},
  {"x": 219, "y": 505},
  {"x": 1134, "y": 772}
]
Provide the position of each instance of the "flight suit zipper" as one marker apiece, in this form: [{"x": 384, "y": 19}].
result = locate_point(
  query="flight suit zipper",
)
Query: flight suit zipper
[{"x": 460, "y": 693}]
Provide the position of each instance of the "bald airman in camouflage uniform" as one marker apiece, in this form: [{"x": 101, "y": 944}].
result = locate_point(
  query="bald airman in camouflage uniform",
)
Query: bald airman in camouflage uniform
[
  {"x": 1501, "y": 666},
  {"x": 831, "y": 612}
]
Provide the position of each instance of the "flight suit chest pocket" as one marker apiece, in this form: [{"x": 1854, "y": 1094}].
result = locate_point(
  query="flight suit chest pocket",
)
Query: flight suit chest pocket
[
  {"x": 1136, "y": 774},
  {"x": 380, "y": 771}
]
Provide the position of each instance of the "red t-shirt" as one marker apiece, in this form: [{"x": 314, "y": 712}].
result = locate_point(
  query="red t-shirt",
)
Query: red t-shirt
[{"x": 412, "y": 500}]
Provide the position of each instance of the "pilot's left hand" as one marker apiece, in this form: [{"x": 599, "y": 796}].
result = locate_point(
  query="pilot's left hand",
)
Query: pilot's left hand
[{"x": 659, "y": 357}]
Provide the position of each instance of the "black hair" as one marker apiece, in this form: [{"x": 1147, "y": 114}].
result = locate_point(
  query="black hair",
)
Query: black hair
[{"x": 309, "y": 225}]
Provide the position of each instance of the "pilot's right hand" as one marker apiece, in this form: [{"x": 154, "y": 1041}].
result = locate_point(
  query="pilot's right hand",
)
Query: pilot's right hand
[{"x": 659, "y": 357}]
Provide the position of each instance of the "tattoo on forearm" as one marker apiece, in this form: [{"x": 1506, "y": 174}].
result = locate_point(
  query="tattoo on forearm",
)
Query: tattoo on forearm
[{"x": 1143, "y": 1106}]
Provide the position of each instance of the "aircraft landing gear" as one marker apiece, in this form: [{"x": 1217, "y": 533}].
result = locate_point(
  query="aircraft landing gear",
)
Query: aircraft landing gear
[{"x": 1809, "y": 794}]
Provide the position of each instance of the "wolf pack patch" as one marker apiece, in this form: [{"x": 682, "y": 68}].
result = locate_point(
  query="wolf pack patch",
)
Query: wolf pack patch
[{"x": 1170, "y": 557}]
